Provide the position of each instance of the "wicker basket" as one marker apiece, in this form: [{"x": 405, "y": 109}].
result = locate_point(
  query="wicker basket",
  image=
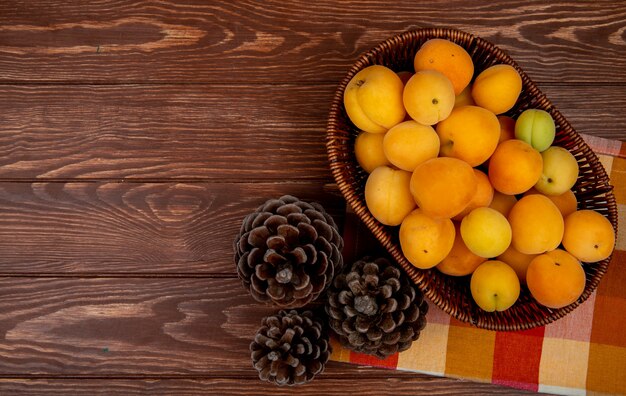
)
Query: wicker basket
[{"x": 452, "y": 294}]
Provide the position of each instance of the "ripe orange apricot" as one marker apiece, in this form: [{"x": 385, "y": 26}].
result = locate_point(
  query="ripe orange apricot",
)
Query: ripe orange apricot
[
  {"x": 588, "y": 236},
  {"x": 368, "y": 149},
  {"x": 424, "y": 240},
  {"x": 428, "y": 97},
  {"x": 494, "y": 286},
  {"x": 410, "y": 143},
  {"x": 507, "y": 128},
  {"x": 486, "y": 232},
  {"x": 514, "y": 167},
  {"x": 497, "y": 88},
  {"x": 566, "y": 202},
  {"x": 503, "y": 202},
  {"x": 470, "y": 133},
  {"x": 464, "y": 98},
  {"x": 555, "y": 279},
  {"x": 448, "y": 58},
  {"x": 373, "y": 99},
  {"x": 388, "y": 196},
  {"x": 460, "y": 261},
  {"x": 443, "y": 187},
  {"x": 518, "y": 261},
  {"x": 537, "y": 225},
  {"x": 483, "y": 196}
]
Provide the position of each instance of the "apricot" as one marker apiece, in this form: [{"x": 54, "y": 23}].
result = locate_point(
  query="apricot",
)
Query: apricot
[
  {"x": 560, "y": 171},
  {"x": 494, "y": 286},
  {"x": 497, "y": 88},
  {"x": 424, "y": 240},
  {"x": 470, "y": 133},
  {"x": 373, "y": 99},
  {"x": 486, "y": 232},
  {"x": 409, "y": 143},
  {"x": 368, "y": 149},
  {"x": 588, "y": 236},
  {"x": 503, "y": 202},
  {"x": 537, "y": 225},
  {"x": 405, "y": 76},
  {"x": 448, "y": 58},
  {"x": 566, "y": 202},
  {"x": 555, "y": 279},
  {"x": 482, "y": 197},
  {"x": 507, "y": 128},
  {"x": 535, "y": 127},
  {"x": 428, "y": 97},
  {"x": 388, "y": 196},
  {"x": 460, "y": 261},
  {"x": 514, "y": 167},
  {"x": 518, "y": 261},
  {"x": 443, "y": 187},
  {"x": 464, "y": 98}
]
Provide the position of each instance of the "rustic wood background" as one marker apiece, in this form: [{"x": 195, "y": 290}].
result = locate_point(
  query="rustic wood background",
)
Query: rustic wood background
[{"x": 135, "y": 135}]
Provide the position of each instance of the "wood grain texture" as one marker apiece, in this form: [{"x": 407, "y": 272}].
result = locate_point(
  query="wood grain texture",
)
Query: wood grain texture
[
  {"x": 231, "y": 133},
  {"x": 152, "y": 228},
  {"x": 328, "y": 384},
  {"x": 192, "y": 333},
  {"x": 275, "y": 41},
  {"x": 126, "y": 327},
  {"x": 205, "y": 132}
]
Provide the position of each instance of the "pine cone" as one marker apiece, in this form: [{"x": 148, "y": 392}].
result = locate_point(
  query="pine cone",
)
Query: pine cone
[
  {"x": 375, "y": 309},
  {"x": 290, "y": 348},
  {"x": 288, "y": 252}
]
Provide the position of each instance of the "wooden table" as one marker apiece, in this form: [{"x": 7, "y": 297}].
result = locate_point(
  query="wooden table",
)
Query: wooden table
[{"x": 135, "y": 135}]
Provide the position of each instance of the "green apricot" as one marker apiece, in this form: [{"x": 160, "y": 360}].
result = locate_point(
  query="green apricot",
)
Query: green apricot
[{"x": 535, "y": 127}]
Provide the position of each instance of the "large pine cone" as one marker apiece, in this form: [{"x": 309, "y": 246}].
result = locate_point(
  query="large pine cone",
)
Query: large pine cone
[
  {"x": 288, "y": 252},
  {"x": 290, "y": 348},
  {"x": 375, "y": 309}
]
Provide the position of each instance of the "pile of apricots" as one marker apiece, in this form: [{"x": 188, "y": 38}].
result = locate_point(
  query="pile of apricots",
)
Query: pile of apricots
[{"x": 473, "y": 191}]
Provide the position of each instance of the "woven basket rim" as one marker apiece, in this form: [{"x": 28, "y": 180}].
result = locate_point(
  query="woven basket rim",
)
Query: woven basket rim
[{"x": 336, "y": 147}]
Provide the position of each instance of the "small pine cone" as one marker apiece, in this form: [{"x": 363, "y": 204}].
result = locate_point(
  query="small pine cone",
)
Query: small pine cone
[
  {"x": 290, "y": 348},
  {"x": 375, "y": 309},
  {"x": 288, "y": 251}
]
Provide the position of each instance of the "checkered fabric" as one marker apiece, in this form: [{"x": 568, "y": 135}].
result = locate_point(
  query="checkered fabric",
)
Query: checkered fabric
[{"x": 581, "y": 353}]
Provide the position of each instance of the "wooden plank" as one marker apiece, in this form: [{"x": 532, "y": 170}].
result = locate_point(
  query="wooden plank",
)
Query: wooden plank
[
  {"x": 205, "y": 132},
  {"x": 126, "y": 327},
  {"x": 189, "y": 132},
  {"x": 129, "y": 327},
  {"x": 192, "y": 333},
  {"x": 366, "y": 381},
  {"x": 303, "y": 41},
  {"x": 100, "y": 228},
  {"x": 582, "y": 106}
]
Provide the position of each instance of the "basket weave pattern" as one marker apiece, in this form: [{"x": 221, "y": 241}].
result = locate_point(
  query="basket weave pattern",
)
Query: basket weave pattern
[{"x": 452, "y": 294}]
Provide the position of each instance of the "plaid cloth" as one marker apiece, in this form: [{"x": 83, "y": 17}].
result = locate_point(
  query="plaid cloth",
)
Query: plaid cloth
[{"x": 581, "y": 353}]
